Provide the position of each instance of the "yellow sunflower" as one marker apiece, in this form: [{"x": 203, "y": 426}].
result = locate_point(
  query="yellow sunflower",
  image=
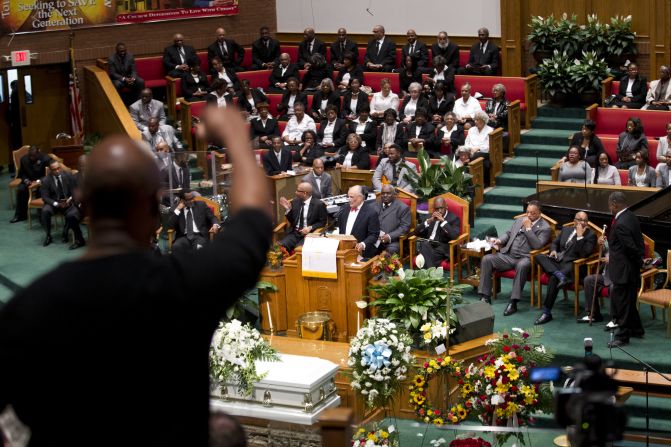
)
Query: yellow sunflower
[
  {"x": 419, "y": 380},
  {"x": 438, "y": 422}
]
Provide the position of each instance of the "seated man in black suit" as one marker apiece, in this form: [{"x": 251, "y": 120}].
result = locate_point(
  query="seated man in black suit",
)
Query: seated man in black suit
[
  {"x": 342, "y": 46},
  {"x": 192, "y": 221},
  {"x": 449, "y": 50},
  {"x": 229, "y": 51},
  {"x": 484, "y": 58},
  {"x": 57, "y": 191},
  {"x": 361, "y": 221},
  {"x": 177, "y": 57},
  {"x": 572, "y": 243},
  {"x": 309, "y": 45},
  {"x": 380, "y": 52},
  {"x": 395, "y": 220},
  {"x": 304, "y": 215},
  {"x": 278, "y": 159},
  {"x": 279, "y": 77},
  {"x": 31, "y": 170},
  {"x": 121, "y": 69},
  {"x": 417, "y": 50},
  {"x": 437, "y": 232},
  {"x": 265, "y": 51}
]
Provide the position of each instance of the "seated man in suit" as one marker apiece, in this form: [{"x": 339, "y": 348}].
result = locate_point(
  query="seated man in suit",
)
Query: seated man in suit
[
  {"x": 484, "y": 58},
  {"x": 145, "y": 108},
  {"x": 417, "y": 50},
  {"x": 572, "y": 243},
  {"x": 177, "y": 57},
  {"x": 393, "y": 170},
  {"x": 395, "y": 220},
  {"x": 265, "y": 51},
  {"x": 278, "y": 159},
  {"x": 121, "y": 69},
  {"x": 309, "y": 45},
  {"x": 304, "y": 214},
  {"x": 380, "y": 53},
  {"x": 228, "y": 51},
  {"x": 342, "y": 46},
  {"x": 57, "y": 191},
  {"x": 527, "y": 233},
  {"x": 597, "y": 281},
  {"x": 437, "y": 232},
  {"x": 321, "y": 181},
  {"x": 360, "y": 220},
  {"x": 279, "y": 77},
  {"x": 31, "y": 170},
  {"x": 192, "y": 221},
  {"x": 449, "y": 50},
  {"x": 155, "y": 133}
]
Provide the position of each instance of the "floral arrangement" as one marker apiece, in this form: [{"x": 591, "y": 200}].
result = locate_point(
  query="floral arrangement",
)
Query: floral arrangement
[
  {"x": 387, "y": 264},
  {"x": 375, "y": 436},
  {"x": 435, "y": 332},
  {"x": 469, "y": 442},
  {"x": 276, "y": 255},
  {"x": 234, "y": 351},
  {"x": 379, "y": 356}
]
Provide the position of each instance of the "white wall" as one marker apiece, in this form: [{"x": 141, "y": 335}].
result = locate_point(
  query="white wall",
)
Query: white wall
[{"x": 397, "y": 16}]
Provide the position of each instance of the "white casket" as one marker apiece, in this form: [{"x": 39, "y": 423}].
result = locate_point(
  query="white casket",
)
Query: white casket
[{"x": 296, "y": 389}]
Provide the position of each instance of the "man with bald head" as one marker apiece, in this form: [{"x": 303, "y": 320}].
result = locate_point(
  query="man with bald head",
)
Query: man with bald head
[
  {"x": 417, "y": 50},
  {"x": 380, "y": 52},
  {"x": 395, "y": 220},
  {"x": 360, "y": 220},
  {"x": 309, "y": 45},
  {"x": 484, "y": 57},
  {"x": 228, "y": 51},
  {"x": 282, "y": 73},
  {"x": 145, "y": 108},
  {"x": 321, "y": 181},
  {"x": 341, "y": 46},
  {"x": 157, "y": 133},
  {"x": 177, "y": 57},
  {"x": 304, "y": 215},
  {"x": 436, "y": 233},
  {"x": 574, "y": 242},
  {"x": 114, "y": 315}
]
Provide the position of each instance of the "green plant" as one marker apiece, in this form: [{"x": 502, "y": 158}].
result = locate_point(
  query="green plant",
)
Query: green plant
[
  {"x": 543, "y": 33},
  {"x": 594, "y": 36},
  {"x": 245, "y": 304},
  {"x": 91, "y": 141},
  {"x": 620, "y": 37},
  {"x": 567, "y": 35},
  {"x": 553, "y": 74},
  {"x": 586, "y": 74},
  {"x": 436, "y": 179},
  {"x": 418, "y": 296}
]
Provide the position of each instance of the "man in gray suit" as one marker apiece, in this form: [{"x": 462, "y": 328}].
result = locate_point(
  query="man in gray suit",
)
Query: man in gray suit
[
  {"x": 145, "y": 108},
  {"x": 156, "y": 133},
  {"x": 528, "y": 233},
  {"x": 663, "y": 170},
  {"x": 394, "y": 169},
  {"x": 395, "y": 220},
  {"x": 121, "y": 68},
  {"x": 321, "y": 181}
]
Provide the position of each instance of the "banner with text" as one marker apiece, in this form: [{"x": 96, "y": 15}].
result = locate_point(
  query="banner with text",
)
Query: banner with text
[{"x": 22, "y": 16}]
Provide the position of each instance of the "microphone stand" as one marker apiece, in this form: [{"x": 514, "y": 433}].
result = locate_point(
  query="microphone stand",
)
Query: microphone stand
[
  {"x": 598, "y": 267},
  {"x": 587, "y": 205},
  {"x": 536, "y": 171},
  {"x": 646, "y": 369}
]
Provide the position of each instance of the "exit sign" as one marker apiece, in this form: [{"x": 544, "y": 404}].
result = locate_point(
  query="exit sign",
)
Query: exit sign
[{"x": 20, "y": 58}]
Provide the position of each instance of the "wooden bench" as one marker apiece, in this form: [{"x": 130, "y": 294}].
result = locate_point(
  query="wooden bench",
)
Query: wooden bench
[{"x": 612, "y": 122}]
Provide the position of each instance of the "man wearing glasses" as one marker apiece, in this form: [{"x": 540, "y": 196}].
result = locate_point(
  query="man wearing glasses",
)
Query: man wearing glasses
[
  {"x": 436, "y": 233},
  {"x": 304, "y": 214},
  {"x": 574, "y": 242}
]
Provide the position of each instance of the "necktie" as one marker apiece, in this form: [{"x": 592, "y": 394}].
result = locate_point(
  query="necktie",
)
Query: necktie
[
  {"x": 395, "y": 175},
  {"x": 377, "y": 48},
  {"x": 59, "y": 186},
  {"x": 319, "y": 183},
  {"x": 353, "y": 210},
  {"x": 342, "y": 49},
  {"x": 147, "y": 108},
  {"x": 412, "y": 49},
  {"x": 223, "y": 50},
  {"x": 311, "y": 43},
  {"x": 267, "y": 43},
  {"x": 385, "y": 206},
  {"x": 189, "y": 223},
  {"x": 182, "y": 177},
  {"x": 182, "y": 56},
  {"x": 301, "y": 222}
]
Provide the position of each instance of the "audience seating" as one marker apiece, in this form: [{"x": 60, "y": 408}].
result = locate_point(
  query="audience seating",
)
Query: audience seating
[
  {"x": 660, "y": 297},
  {"x": 373, "y": 79},
  {"x": 543, "y": 278},
  {"x": 256, "y": 78},
  {"x": 189, "y": 111},
  {"x": 17, "y": 155},
  {"x": 610, "y": 145},
  {"x": 409, "y": 199},
  {"x": 611, "y": 87},
  {"x": 612, "y": 122},
  {"x": 291, "y": 50}
]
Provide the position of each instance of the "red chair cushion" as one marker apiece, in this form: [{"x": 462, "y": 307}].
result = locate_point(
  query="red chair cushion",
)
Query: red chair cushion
[
  {"x": 247, "y": 60},
  {"x": 256, "y": 78},
  {"x": 373, "y": 80},
  {"x": 197, "y": 107},
  {"x": 610, "y": 145},
  {"x": 151, "y": 70},
  {"x": 274, "y": 99},
  {"x": 373, "y": 161},
  {"x": 457, "y": 209},
  {"x": 611, "y": 122},
  {"x": 282, "y": 125},
  {"x": 483, "y": 84},
  {"x": 204, "y": 63},
  {"x": 292, "y": 50},
  {"x": 624, "y": 176}
]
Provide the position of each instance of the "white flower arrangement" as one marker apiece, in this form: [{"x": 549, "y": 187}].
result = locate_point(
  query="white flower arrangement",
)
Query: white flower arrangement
[
  {"x": 435, "y": 332},
  {"x": 380, "y": 357},
  {"x": 234, "y": 350}
]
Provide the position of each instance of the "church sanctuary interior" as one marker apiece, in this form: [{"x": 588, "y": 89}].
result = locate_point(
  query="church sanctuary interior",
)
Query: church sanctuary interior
[{"x": 470, "y": 204}]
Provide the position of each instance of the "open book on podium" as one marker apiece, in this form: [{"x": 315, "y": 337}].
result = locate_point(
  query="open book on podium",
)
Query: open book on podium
[{"x": 319, "y": 254}]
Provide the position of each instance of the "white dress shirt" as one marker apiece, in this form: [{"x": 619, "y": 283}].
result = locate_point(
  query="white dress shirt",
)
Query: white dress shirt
[
  {"x": 347, "y": 162},
  {"x": 381, "y": 103},
  {"x": 410, "y": 108},
  {"x": 478, "y": 139},
  {"x": 295, "y": 129},
  {"x": 351, "y": 218},
  {"x": 328, "y": 132},
  {"x": 468, "y": 108}
]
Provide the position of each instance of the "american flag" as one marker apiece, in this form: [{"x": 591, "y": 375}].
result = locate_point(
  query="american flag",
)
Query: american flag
[{"x": 76, "y": 118}]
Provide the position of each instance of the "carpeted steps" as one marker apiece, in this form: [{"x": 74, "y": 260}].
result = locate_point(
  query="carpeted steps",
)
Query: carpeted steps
[{"x": 523, "y": 180}]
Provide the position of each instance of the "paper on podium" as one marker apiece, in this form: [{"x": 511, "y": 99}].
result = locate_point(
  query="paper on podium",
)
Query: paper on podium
[{"x": 319, "y": 257}]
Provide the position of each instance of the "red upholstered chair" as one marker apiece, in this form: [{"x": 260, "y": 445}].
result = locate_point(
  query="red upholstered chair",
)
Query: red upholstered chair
[
  {"x": 151, "y": 70},
  {"x": 373, "y": 161},
  {"x": 256, "y": 78},
  {"x": 459, "y": 207},
  {"x": 610, "y": 145},
  {"x": 510, "y": 274},
  {"x": 274, "y": 99},
  {"x": 211, "y": 204},
  {"x": 373, "y": 80},
  {"x": 624, "y": 176},
  {"x": 258, "y": 154},
  {"x": 543, "y": 278},
  {"x": 247, "y": 59},
  {"x": 291, "y": 50},
  {"x": 281, "y": 125}
]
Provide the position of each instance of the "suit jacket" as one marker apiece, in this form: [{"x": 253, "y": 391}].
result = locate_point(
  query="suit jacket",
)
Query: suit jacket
[
  {"x": 164, "y": 133},
  {"x": 276, "y": 75},
  {"x": 369, "y": 134},
  {"x": 171, "y": 57},
  {"x": 234, "y": 55},
  {"x": 274, "y": 167},
  {"x": 489, "y": 57},
  {"x": 366, "y": 228},
  {"x": 257, "y": 129},
  {"x": 395, "y": 220},
  {"x": 401, "y": 137},
  {"x": 258, "y": 97},
  {"x": 190, "y": 86},
  {"x": 326, "y": 185},
  {"x": 447, "y": 231},
  {"x": 176, "y": 184},
  {"x": 450, "y": 53},
  {"x": 203, "y": 218},
  {"x": 501, "y": 110},
  {"x": 283, "y": 106},
  {"x": 663, "y": 178},
  {"x": 385, "y": 168},
  {"x": 314, "y": 76},
  {"x": 638, "y": 90},
  {"x": 337, "y": 53},
  {"x": 650, "y": 176},
  {"x": 421, "y": 102},
  {"x": 235, "y": 81},
  {"x": 140, "y": 116},
  {"x": 211, "y": 98},
  {"x": 421, "y": 54},
  {"x": 362, "y": 101},
  {"x": 31, "y": 171},
  {"x": 427, "y": 132},
  {"x": 537, "y": 237},
  {"x": 650, "y": 96},
  {"x": 386, "y": 56},
  {"x": 121, "y": 68},
  {"x": 340, "y": 131},
  {"x": 316, "y": 217},
  {"x": 356, "y": 72},
  {"x": 332, "y": 100},
  {"x": 49, "y": 191},
  {"x": 445, "y": 106},
  {"x": 360, "y": 158},
  {"x": 304, "y": 52},
  {"x": 595, "y": 145},
  {"x": 627, "y": 146},
  {"x": 262, "y": 54},
  {"x": 625, "y": 249},
  {"x": 576, "y": 249}
]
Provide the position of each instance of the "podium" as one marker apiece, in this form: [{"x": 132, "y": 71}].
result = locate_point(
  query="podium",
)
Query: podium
[{"x": 299, "y": 294}]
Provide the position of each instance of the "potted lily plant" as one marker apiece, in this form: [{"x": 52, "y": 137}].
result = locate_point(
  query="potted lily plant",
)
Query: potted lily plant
[
  {"x": 553, "y": 74},
  {"x": 586, "y": 75},
  {"x": 436, "y": 179},
  {"x": 542, "y": 37},
  {"x": 620, "y": 43}
]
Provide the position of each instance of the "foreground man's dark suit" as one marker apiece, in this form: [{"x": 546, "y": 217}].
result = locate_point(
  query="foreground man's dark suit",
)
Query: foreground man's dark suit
[{"x": 114, "y": 351}]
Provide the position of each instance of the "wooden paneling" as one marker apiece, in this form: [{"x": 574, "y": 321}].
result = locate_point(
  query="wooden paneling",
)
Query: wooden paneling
[{"x": 512, "y": 43}]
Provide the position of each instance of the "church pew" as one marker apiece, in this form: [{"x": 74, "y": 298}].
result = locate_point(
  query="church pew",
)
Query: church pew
[
  {"x": 611, "y": 122},
  {"x": 609, "y": 87},
  {"x": 546, "y": 185}
]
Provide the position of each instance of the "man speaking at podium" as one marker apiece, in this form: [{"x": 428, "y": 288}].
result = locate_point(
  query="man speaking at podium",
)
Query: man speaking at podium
[{"x": 360, "y": 220}]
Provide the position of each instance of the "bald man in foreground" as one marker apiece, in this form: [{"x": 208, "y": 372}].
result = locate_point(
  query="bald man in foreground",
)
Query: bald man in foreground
[{"x": 112, "y": 348}]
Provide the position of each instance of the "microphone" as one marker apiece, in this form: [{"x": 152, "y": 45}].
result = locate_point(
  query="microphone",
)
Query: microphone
[
  {"x": 329, "y": 227},
  {"x": 587, "y": 342},
  {"x": 612, "y": 336},
  {"x": 587, "y": 205}
]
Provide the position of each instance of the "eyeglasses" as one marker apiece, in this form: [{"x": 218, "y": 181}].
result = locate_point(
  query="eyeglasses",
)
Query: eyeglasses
[{"x": 580, "y": 220}]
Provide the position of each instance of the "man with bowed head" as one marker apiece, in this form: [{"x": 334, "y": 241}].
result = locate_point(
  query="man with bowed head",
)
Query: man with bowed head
[{"x": 121, "y": 321}]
